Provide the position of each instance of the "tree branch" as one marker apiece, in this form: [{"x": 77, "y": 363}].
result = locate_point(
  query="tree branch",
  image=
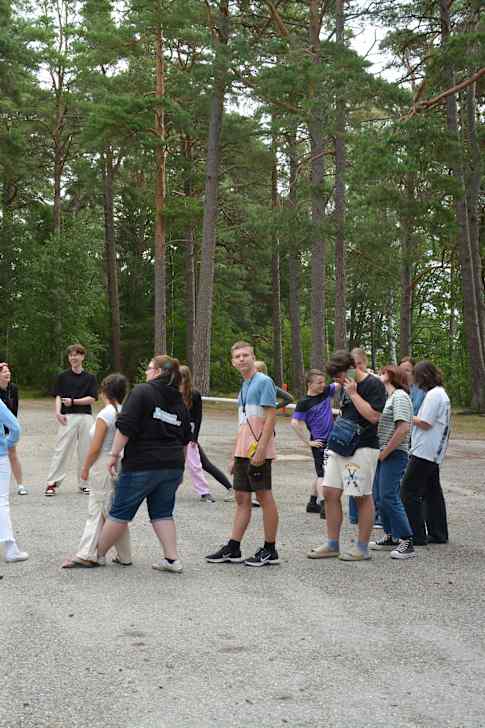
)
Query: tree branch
[{"x": 436, "y": 100}]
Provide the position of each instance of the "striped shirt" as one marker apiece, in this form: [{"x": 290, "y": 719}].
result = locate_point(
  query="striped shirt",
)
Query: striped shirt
[{"x": 398, "y": 408}]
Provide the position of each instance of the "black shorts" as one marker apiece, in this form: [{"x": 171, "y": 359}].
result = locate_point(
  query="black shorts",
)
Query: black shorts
[
  {"x": 320, "y": 457},
  {"x": 250, "y": 478}
]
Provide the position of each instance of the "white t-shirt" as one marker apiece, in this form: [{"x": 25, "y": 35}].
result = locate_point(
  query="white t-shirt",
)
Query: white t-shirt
[
  {"x": 435, "y": 410},
  {"x": 108, "y": 414}
]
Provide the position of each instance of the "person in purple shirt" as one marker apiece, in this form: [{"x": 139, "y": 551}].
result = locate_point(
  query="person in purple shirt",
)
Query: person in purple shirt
[{"x": 313, "y": 414}]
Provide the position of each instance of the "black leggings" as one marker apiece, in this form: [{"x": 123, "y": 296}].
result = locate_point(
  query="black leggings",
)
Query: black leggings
[
  {"x": 424, "y": 502},
  {"x": 213, "y": 470}
]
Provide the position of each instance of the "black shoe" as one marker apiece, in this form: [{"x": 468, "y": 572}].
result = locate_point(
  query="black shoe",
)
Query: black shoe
[
  {"x": 263, "y": 557},
  {"x": 312, "y": 506},
  {"x": 322, "y": 510},
  {"x": 226, "y": 553},
  {"x": 405, "y": 550},
  {"x": 436, "y": 540},
  {"x": 386, "y": 542},
  {"x": 255, "y": 503}
]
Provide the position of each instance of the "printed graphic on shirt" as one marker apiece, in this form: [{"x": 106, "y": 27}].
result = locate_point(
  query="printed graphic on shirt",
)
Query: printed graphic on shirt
[{"x": 169, "y": 417}]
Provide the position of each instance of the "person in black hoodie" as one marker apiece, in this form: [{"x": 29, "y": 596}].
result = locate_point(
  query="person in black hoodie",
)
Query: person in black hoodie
[{"x": 153, "y": 429}]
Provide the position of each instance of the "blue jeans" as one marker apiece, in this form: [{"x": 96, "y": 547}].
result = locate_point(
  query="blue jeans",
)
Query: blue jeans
[
  {"x": 389, "y": 474},
  {"x": 158, "y": 487}
]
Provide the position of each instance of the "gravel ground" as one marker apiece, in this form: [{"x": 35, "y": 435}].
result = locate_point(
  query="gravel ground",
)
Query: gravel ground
[{"x": 307, "y": 643}]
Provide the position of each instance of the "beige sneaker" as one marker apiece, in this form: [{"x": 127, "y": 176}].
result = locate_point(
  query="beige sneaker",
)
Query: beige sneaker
[
  {"x": 322, "y": 552},
  {"x": 353, "y": 554}
]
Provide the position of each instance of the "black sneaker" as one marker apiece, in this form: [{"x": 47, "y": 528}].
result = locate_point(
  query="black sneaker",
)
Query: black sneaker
[
  {"x": 263, "y": 557},
  {"x": 226, "y": 553},
  {"x": 322, "y": 510},
  {"x": 405, "y": 550},
  {"x": 383, "y": 544},
  {"x": 312, "y": 506}
]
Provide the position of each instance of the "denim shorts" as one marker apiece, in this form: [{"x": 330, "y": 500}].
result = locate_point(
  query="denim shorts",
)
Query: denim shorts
[{"x": 157, "y": 486}]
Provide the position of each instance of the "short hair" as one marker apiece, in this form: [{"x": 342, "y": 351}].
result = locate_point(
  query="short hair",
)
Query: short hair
[
  {"x": 396, "y": 377},
  {"x": 114, "y": 387},
  {"x": 427, "y": 375},
  {"x": 170, "y": 368},
  {"x": 409, "y": 359},
  {"x": 241, "y": 345},
  {"x": 312, "y": 374},
  {"x": 76, "y": 349},
  {"x": 339, "y": 362},
  {"x": 261, "y": 366},
  {"x": 357, "y": 351}
]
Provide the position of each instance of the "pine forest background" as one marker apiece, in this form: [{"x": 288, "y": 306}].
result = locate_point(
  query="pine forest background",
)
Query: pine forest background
[{"x": 179, "y": 174}]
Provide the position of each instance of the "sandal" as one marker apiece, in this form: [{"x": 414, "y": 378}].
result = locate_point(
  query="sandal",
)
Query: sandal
[{"x": 73, "y": 564}]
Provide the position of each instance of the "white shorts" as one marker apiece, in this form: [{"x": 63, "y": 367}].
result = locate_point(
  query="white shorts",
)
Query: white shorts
[{"x": 353, "y": 474}]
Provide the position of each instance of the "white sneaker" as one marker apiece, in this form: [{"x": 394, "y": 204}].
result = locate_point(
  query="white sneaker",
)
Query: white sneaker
[
  {"x": 164, "y": 565},
  {"x": 229, "y": 497},
  {"x": 22, "y": 490},
  {"x": 19, "y": 556}
]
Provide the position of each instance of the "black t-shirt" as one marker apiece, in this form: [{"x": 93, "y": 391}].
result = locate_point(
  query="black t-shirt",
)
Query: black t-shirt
[
  {"x": 195, "y": 413},
  {"x": 76, "y": 386},
  {"x": 373, "y": 391},
  {"x": 10, "y": 397}
]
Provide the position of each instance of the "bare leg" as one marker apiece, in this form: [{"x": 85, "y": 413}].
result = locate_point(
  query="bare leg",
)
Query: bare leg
[
  {"x": 333, "y": 505},
  {"x": 365, "y": 505},
  {"x": 166, "y": 533},
  {"x": 319, "y": 487},
  {"x": 242, "y": 515},
  {"x": 111, "y": 533},
  {"x": 270, "y": 514}
]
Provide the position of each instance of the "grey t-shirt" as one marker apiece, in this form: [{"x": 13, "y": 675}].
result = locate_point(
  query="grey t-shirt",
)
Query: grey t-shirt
[{"x": 398, "y": 408}]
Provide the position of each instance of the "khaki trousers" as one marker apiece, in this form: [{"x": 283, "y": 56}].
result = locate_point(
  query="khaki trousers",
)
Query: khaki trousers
[
  {"x": 101, "y": 490},
  {"x": 73, "y": 435}
]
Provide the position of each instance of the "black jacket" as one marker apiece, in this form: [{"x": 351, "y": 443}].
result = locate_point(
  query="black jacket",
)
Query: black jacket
[
  {"x": 156, "y": 421},
  {"x": 195, "y": 413}
]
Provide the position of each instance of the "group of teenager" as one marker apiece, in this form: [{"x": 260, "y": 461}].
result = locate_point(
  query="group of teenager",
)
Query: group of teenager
[{"x": 383, "y": 450}]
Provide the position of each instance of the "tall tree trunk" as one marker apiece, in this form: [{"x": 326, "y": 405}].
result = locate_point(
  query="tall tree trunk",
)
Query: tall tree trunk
[
  {"x": 406, "y": 265},
  {"x": 110, "y": 257},
  {"x": 315, "y": 128},
  {"x": 189, "y": 264},
  {"x": 160, "y": 287},
  {"x": 294, "y": 277},
  {"x": 205, "y": 292},
  {"x": 275, "y": 278},
  {"x": 472, "y": 298},
  {"x": 340, "y": 294}
]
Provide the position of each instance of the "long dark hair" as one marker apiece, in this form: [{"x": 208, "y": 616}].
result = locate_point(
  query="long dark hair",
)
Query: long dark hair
[
  {"x": 186, "y": 387},
  {"x": 427, "y": 376}
]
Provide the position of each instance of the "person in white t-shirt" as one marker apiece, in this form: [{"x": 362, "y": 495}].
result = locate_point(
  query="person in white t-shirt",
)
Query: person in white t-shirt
[
  {"x": 421, "y": 491},
  {"x": 101, "y": 485}
]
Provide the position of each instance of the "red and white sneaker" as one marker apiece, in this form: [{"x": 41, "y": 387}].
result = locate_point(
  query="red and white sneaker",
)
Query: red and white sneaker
[{"x": 51, "y": 489}]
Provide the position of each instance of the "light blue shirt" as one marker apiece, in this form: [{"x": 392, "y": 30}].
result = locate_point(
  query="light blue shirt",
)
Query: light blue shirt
[{"x": 7, "y": 419}]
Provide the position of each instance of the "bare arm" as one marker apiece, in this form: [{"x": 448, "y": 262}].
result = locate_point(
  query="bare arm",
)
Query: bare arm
[
  {"x": 70, "y": 401},
  {"x": 422, "y": 424},
  {"x": 399, "y": 435},
  {"x": 119, "y": 443},
  {"x": 60, "y": 418},
  {"x": 300, "y": 428},
  {"x": 100, "y": 431},
  {"x": 266, "y": 435}
]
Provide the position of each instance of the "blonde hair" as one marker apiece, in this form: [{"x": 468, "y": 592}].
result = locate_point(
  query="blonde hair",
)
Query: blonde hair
[
  {"x": 241, "y": 345},
  {"x": 261, "y": 366}
]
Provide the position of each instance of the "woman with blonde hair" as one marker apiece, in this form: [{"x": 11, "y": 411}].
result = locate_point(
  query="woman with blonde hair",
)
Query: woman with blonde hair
[{"x": 196, "y": 460}]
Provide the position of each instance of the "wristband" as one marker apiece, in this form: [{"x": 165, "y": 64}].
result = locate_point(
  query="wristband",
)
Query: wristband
[{"x": 72, "y": 402}]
